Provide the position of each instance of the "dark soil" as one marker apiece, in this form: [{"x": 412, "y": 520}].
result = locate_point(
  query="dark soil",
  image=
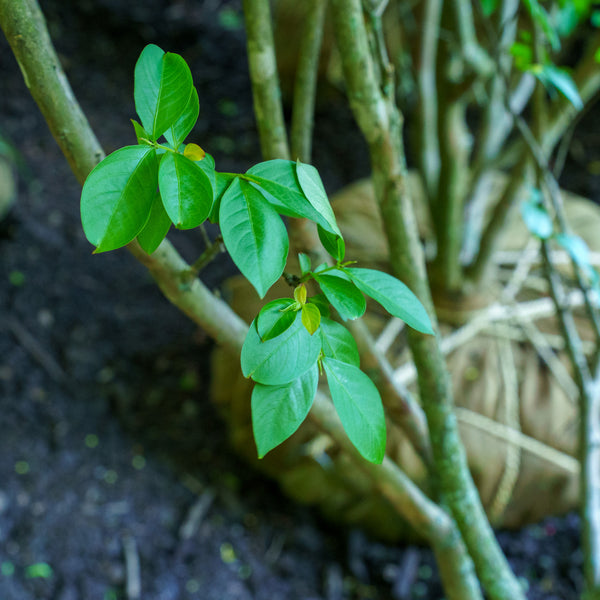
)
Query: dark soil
[{"x": 115, "y": 469}]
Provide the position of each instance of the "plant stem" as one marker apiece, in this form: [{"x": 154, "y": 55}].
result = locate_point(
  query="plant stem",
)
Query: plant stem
[
  {"x": 265, "y": 81},
  {"x": 380, "y": 121},
  {"x": 428, "y": 519},
  {"x": 25, "y": 29},
  {"x": 306, "y": 80},
  {"x": 428, "y": 147}
]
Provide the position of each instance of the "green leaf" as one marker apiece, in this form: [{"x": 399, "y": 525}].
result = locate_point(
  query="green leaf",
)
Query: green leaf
[
  {"x": 117, "y": 197},
  {"x": 311, "y": 318},
  {"x": 393, "y": 295},
  {"x": 488, "y": 7},
  {"x": 560, "y": 79},
  {"x": 179, "y": 130},
  {"x": 577, "y": 249},
  {"x": 523, "y": 53},
  {"x": 278, "y": 411},
  {"x": 156, "y": 228},
  {"x": 333, "y": 243},
  {"x": 312, "y": 186},
  {"x": 359, "y": 407},
  {"x": 321, "y": 302},
  {"x": 273, "y": 318},
  {"x": 305, "y": 264},
  {"x": 279, "y": 184},
  {"x": 282, "y": 359},
  {"x": 537, "y": 219},
  {"x": 254, "y": 235},
  {"x": 163, "y": 84},
  {"x": 567, "y": 19},
  {"x": 540, "y": 16},
  {"x": 222, "y": 182},
  {"x": 140, "y": 133},
  {"x": 345, "y": 297},
  {"x": 337, "y": 342},
  {"x": 185, "y": 190}
]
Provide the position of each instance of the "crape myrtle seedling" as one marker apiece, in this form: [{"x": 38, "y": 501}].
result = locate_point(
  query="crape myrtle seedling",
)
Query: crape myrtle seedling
[{"x": 138, "y": 191}]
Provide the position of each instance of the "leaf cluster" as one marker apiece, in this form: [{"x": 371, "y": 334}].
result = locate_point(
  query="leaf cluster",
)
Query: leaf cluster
[{"x": 139, "y": 191}]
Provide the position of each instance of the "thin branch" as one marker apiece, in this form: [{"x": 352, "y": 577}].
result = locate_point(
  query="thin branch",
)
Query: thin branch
[
  {"x": 265, "y": 81},
  {"x": 474, "y": 55},
  {"x": 306, "y": 80},
  {"x": 428, "y": 147}
]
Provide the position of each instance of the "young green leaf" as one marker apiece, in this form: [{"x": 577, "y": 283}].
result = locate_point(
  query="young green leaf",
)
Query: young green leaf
[
  {"x": 359, "y": 407},
  {"x": 254, "y": 235},
  {"x": 162, "y": 88},
  {"x": 537, "y": 219},
  {"x": 577, "y": 249},
  {"x": 393, "y": 295},
  {"x": 282, "y": 359},
  {"x": 337, "y": 342},
  {"x": 312, "y": 186},
  {"x": 311, "y": 318},
  {"x": 304, "y": 261},
  {"x": 156, "y": 228},
  {"x": 185, "y": 189},
  {"x": 140, "y": 133},
  {"x": 345, "y": 297},
  {"x": 278, "y": 411},
  {"x": 333, "y": 243},
  {"x": 117, "y": 197},
  {"x": 556, "y": 78},
  {"x": 274, "y": 318},
  {"x": 179, "y": 130}
]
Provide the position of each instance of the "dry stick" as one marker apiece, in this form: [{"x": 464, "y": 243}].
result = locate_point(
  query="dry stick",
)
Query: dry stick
[
  {"x": 306, "y": 80},
  {"x": 380, "y": 121},
  {"x": 216, "y": 317},
  {"x": 265, "y": 81}
]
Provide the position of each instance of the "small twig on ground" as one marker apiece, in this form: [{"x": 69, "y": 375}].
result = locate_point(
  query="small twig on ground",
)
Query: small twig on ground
[
  {"x": 133, "y": 581},
  {"x": 196, "y": 515},
  {"x": 37, "y": 351}
]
